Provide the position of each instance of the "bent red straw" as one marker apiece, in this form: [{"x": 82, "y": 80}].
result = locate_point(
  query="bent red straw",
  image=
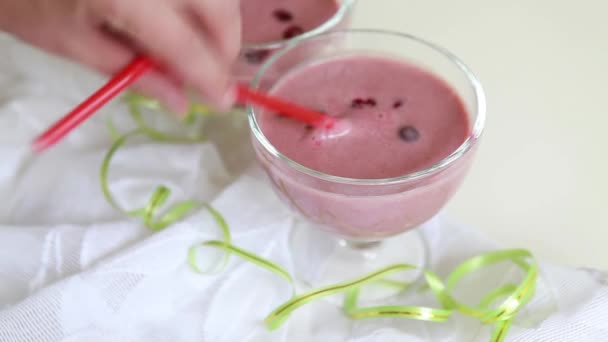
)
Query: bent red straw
[{"x": 131, "y": 73}]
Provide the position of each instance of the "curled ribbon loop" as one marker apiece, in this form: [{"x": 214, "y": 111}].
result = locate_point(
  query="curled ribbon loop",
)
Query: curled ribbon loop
[
  {"x": 514, "y": 296},
  {"x": 135, "y": 102},
  {"x": 517, "y": 295},
  {"x": 149, "y": 214},
  {"x": 280, "y": 315},
  {"x": 227, "y": 241},
  {"x": 160, "y": 196}
]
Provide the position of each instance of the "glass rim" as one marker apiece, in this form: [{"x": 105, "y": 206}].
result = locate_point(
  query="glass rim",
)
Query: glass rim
[
  {"x": 457, "y": 154},
  {"x": 336, "y": 18}
]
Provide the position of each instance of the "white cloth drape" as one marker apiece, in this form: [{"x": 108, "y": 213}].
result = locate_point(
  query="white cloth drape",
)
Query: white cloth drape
[{"x": 74, "y": 269}]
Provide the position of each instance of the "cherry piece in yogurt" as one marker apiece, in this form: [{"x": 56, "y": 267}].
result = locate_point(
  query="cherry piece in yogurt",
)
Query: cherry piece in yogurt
[
  {"x": 283, "y": 15},
  {"x": 292, "y": 32}
]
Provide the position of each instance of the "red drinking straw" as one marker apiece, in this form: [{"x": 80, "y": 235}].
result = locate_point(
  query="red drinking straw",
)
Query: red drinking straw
[
  {"x": 282, "y": 107},
  {"x": 134, "y": 71},
  {"x": 83, "y": 111}
]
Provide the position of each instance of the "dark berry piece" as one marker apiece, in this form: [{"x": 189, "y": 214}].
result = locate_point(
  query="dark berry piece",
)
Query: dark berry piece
[
  {"x": 409, "y": 133},
  {"x": 358, "y": 103},
  {"x": 283, "y": 15},
  {"x": 398, "y": 104},
  {"x": 309, "y": 127},
  {"x": 292, "y": 31},
  {"x": 371, "y": 102},
  {"x": 256, "y": 56}
]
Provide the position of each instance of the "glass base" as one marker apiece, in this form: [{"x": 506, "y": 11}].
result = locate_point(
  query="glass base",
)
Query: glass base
[{"x": 322, "y": 259}]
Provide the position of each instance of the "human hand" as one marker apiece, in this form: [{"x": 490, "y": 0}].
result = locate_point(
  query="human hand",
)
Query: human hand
[{"x": 195, "y": 41}]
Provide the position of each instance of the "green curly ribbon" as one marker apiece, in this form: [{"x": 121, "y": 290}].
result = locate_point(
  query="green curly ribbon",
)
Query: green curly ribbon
[
  {"x": 411, "y": 312},
  {"x": 514, "y": 296},
  {"x": 227, "y": 240},
  {"x": 517, "y": 295},
  {"x": 149, "y": 213},
  {"x": 135, "y": 102},
  {"x": 245, "y": 255},
  {"x": 196, "y": 110},
  {"x": 502, "y": 316},
  {"x": 352, "y": 289}
]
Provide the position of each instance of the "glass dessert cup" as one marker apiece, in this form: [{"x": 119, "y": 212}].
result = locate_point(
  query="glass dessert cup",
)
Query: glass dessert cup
[
  {"x": 348, "y": 227},
  {"x": 253, "y": 55}
]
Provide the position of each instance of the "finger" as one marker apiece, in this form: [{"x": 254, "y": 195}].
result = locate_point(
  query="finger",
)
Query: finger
[
  {"x": 169, "y": 92},
  {"x": 107, "y": 55},
  {"x": 222, "y": 21},
  {"x": 98, "y": 51},
  {"x": 167, "y": 35}
]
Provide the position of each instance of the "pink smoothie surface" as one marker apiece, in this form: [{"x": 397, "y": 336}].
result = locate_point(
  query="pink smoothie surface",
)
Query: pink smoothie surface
[
  {"x": 394, "y": 118},
  {"x": 274, "y": 20}
]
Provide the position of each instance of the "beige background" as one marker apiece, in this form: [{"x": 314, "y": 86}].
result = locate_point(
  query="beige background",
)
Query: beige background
[{"x": 541, "y": 176}]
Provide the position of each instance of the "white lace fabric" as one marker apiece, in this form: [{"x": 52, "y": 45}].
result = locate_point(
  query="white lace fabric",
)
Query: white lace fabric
[{"x": 74, "y": 269}]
